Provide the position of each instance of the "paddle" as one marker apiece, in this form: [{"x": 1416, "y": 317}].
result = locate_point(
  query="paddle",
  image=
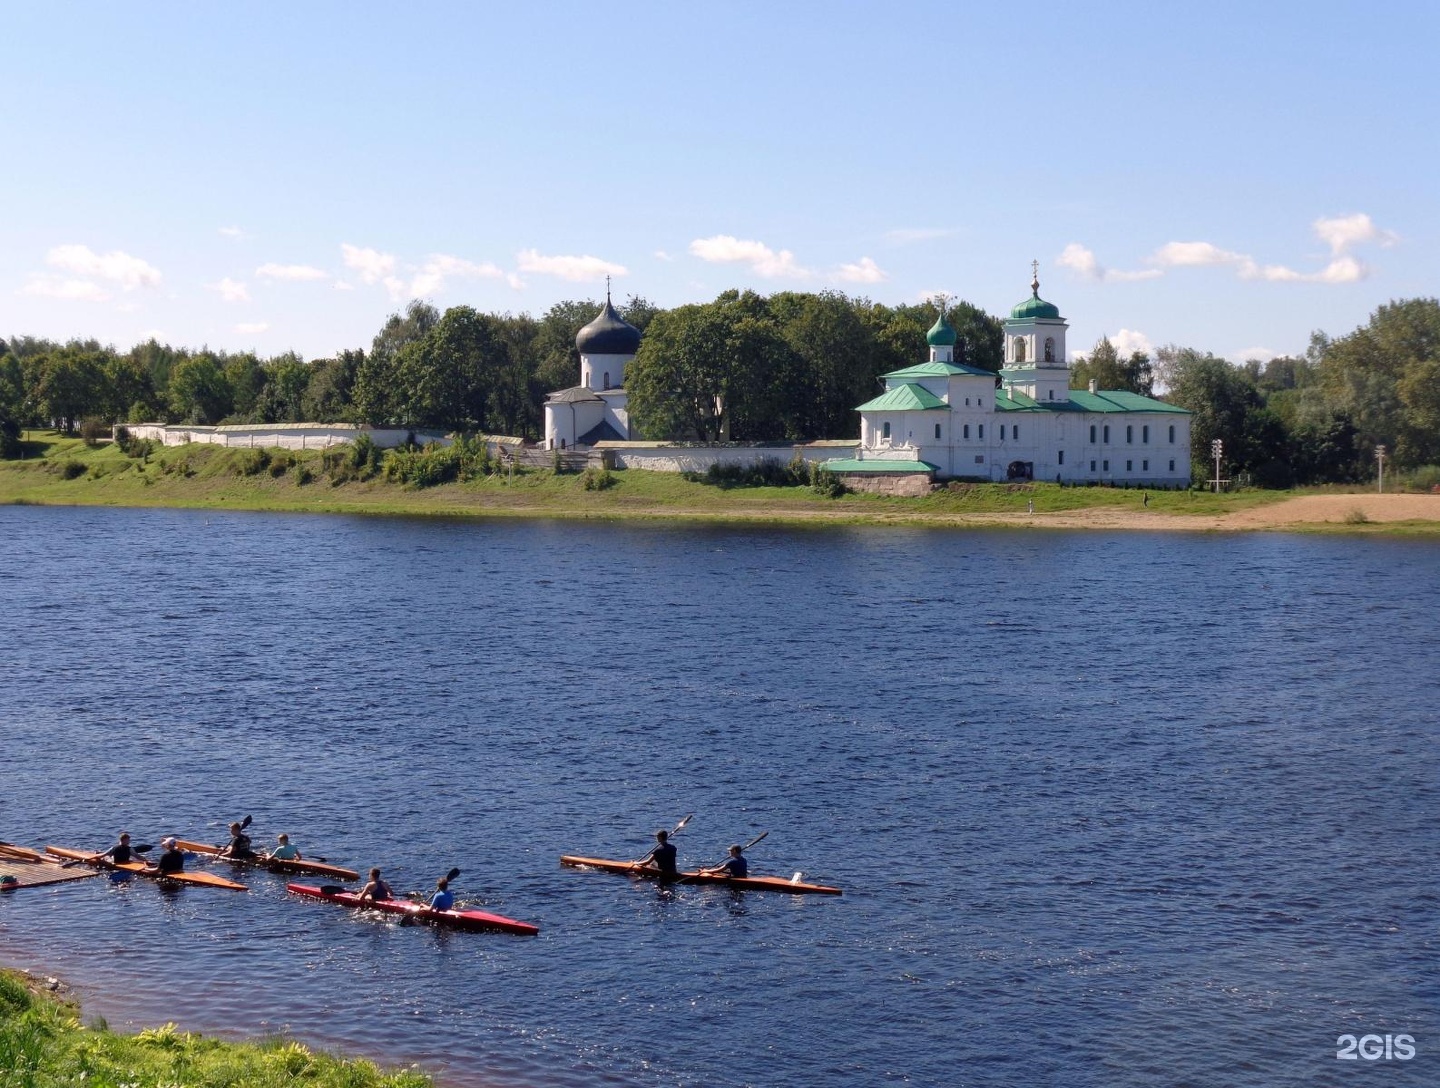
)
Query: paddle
[
  {"x": 143, "y": 848},
  {"x": 752, "y": 842},
  {"x": 673, "y": 832},
  {"x": 243, "y": 825}
]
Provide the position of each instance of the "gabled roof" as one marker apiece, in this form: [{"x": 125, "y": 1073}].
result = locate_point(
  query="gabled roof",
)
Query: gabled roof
[
  {"x": 939, "y": 370},
  {"x": 601, "y": 432},
  {"x": 1109, "y": 400},
  {"x": 903, "y": 398},
  {"x": 576, "y": 394}
]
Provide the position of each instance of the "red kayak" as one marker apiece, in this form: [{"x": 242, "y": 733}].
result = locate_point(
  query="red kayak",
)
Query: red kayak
[
  {"x": 459, "y": 919},
  {"x": 747, "y": 883}
]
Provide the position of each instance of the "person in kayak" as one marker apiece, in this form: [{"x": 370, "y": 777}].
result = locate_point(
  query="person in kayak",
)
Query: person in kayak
[
  {"x": 121, "y": 853},
  {"x": 444, "y": 898},
  {"x": 171, "y": 861},
  {"x": 239, "y": 844},
  {"x": 733, "y": 866},
  {"x": 286, "y": 851},
  {"x": 663, "y": 857},
  {"x": 375, "y": 888}
]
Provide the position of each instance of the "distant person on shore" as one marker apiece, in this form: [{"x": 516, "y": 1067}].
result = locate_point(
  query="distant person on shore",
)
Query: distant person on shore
[
  {"x": 663, "y": 857},
  {"x": 1031, "y": 505},
  {"x": 733, "y": 866},
  {"x": 121, "y": 853},
  {"x": 1145, "y": 499},
  {"x": 171, "y": 861},
  {"x": 375, "y": 889},
  {"x": 286, "y": 851},
  {"x": 239, "y": 844},
  {"x": 444, "y": 898}
]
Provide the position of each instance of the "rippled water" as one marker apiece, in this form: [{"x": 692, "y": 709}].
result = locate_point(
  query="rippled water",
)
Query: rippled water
[{"x": 1108, "y": 809}]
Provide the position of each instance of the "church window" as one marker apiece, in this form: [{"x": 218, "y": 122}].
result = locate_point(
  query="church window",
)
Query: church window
[
  {"x": 1129, "y": 434},
  {"x": 1014, "y": 430},
  {"x": 605, "y": 384},
  {"x": 1049, "y": 349},
  {"x": 1092, "y": 435},
  {"x": 1172, "y": 437},
  {"x": 1019, "y": 350},
  {"x": 1144, "y": 466},
  {"x": 885, "y": 429},
  {"x": 1052, "y": 394},
  {"x": 1107, "y": 434},
  {"x": 1145, "y": 433},
  {"x": 1106, "y": 466},
  {"x": 982, "y": 431},
  {"x": 967, "y": 432},
  {"x": 1092, "y": 466},
  {"x": 1129, "y": 466},
  {"x": 1172, "y": 466},
  {"x": 937, "y": 432},
  {"x": 1062, "y": 457}
]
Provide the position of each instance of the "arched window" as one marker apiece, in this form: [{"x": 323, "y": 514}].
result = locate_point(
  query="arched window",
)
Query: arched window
[
  {"x": 1049, "y": 349},
  {"x": 1019, "y": 350},
  {"x": 885, "y": 430},
  {"x": 606, "y": 384},
  {"x": 937, "y": 432}
]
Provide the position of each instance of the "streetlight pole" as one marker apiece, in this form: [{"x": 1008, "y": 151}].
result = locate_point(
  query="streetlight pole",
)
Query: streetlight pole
[
  {"x": 1380, "y": 466},
  {"x": 1216, "y": 449}
]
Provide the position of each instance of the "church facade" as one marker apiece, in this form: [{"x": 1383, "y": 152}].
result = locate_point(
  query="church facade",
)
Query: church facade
[
  {"x": 949, "y": 420},
  {"x": 596, "y": 409}
]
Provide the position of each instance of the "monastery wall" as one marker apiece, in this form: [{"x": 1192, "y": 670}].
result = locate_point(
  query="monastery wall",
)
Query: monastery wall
[
  {"x": 288, "y": 436},
  {"x": 672, "y": 457}
]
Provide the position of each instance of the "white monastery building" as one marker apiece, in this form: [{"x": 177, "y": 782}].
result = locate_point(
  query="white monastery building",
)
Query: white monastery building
[
  {"x": 947, "y": 419},
  {"x": 595, "y": 410}
]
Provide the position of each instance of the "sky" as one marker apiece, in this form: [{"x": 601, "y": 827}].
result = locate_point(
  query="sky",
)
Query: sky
[{"x": 282, "y": 177}]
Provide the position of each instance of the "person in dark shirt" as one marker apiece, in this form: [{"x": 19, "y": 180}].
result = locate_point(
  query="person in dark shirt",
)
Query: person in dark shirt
[
  {"x": 733, "y": 866},
  {"x": 375, "y": 888},
  {"x": 120, "y": 853},
  {"x": 239, "y": 844},
  {"x": 171, "y": 861},
  {"x": 663, "y": 857}
]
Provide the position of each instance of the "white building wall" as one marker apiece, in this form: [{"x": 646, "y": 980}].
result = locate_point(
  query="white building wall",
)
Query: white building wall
[
  {"x": 596, "y": 369},
  {"x": 664, "y": 457},
  {"x": 289, "y": 436}
]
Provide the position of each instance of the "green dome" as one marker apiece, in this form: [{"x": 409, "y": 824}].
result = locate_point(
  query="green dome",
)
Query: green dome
[
  {"x": 1035, "y": 306},
  {"x": 941, "y": 335}
]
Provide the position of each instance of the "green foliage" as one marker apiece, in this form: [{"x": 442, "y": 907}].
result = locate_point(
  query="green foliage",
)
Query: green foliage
[
  {"x": 427, "y": 467},
  {"x": 824, "y": 482},
  {"x": 280, "y": 462},
  {"x": 71, "y": 470},
  {"x": 1425, "y": 478},
  {"x": 1356, "y": 517},
  {"x": 302, "y": 475},
  {"x": 1105, "y": 367},
  {"x": 199, "y": 391},
  {"x": 597, "y": 479},
  {"x": 251, "y": 462},
  {"x": 765, "y": 472},
  {"x": 94, "y": 431}
]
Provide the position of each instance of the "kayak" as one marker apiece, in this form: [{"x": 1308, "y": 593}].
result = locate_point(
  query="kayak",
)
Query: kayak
[
  {"x": 10, "y": 852},
  {"x": 746, "y": 883},
  {"x": 139, "y": 868},
  {"x": 460, "y": 919},
  {"x": 275, "y": 865}
]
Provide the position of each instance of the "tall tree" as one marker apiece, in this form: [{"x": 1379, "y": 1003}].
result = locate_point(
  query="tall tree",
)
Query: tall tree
[
  {"x": 72, "y": 385},
  {"x": 198, "y": 390},
  {"x": 1108, "y": 370},
  {"x": 378, "y": 395}
]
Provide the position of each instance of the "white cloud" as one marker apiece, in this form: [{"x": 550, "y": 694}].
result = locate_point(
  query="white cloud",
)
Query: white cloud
[
  {"x": 292, "y": 273},
  {"x": 232, "y": 232},
  {"x": 439, "y": 267},
  {"x": 342, "y": 285},
  {"x": 1345, "y": 231},
  {"x": 661, "y": 255},
  {"x": 1340, "y": 270},
  {"x": 862, "y": 271},
  {"x": 372, "y": 265},
  {"x": 232, "y": 290},
  {"x": 1196, "y": 254},
  {"x": 763, "y": 261},
  {"x": 44, "y": 285},
  {"x": 575, "y": 269},
  {"x": 514, "y": 281},
  {"x": 1263, "y": 355},
  {"x": 905, "y": 236},
  {"x": 1129, "y": 341},
  {"x": 1083, "y": 263},
  {"x": 251, "y": 327},
  {"x": 121, "y": 269}
]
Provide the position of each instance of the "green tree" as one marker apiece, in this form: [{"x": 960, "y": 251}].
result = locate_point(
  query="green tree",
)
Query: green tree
[
  {"x": 246, "y": 378},
  {"x": 282, "y": 396},
  {"x": 332, "y": 381},
  {"x": 12, "y": 399},
  {"x": 448, "y": 375},
  {"x": 1105, "y": 367},
  {"x": 378, "y": 395},
  {"x": 198, "y": 390},
  {"x": 72, "y": 385},
  {"x": 1225, "y": 405}
]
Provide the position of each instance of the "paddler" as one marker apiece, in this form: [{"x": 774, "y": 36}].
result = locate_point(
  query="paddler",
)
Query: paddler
[
  {"x": 733, "y": 866},
  {"x": 171, "y": 861},
  {"x": 663, "y": 857},
  {"x": 286, "y": 851},
  {"x": 444, "y": 898},
  {"x": 121, "y": 853},
  {"x": 239, "y": 844},
  {"x": 375, "y": 888}
]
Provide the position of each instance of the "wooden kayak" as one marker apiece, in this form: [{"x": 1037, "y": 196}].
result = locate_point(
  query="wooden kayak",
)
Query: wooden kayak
[
  {"x": 275, "y": 865},
  {"x": 747, "y": 883},
  {"x": 10, "y": 852},
  {"x": 139, "y": 868},
  {"x": 459, "y": 919}
]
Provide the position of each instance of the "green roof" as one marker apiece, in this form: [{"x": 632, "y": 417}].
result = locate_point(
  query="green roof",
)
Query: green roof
[
  {"x": 903, "y": 398},
  {"x": 941, "y": 335},
  {"x": 1035, "y": 306},
  {"x": 1107, "y": 400},
  {"x": 848, "y": 464},
  {"x": 939, "y": 370}
]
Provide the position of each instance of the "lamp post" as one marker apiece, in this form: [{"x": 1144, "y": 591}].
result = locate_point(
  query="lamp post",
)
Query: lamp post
[
  {"x": 1380, "y": 466},
  {"x": 1216, "y": 449}
]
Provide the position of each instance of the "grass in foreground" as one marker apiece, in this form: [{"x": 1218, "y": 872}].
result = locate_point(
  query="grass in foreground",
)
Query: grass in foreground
[{"x": 43, "y": 1045}]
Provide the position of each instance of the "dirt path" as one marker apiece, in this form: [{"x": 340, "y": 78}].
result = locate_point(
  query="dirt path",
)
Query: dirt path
[{"x": 1303, "y": 510}]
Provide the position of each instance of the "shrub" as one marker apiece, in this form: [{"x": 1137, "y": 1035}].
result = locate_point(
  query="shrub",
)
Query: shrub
[
  {"x": 1424, "y": 478},
  {"x": 94, "y": 431},
  {"x": 70, "y": 470},
  {"x": 303, "y": 475},
  {"x": 252, "y": 462},
  {"x": 427, "y": 467},
  {"x": 597, "y": 479},
  {"x": 824, "y": 482},
  {"x": 766, "y": 472},
  {"x": 1356, "y": 517}
]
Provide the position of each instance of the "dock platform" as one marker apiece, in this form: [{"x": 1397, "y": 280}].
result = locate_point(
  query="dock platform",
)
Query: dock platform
[{"x": 31, "y": 869}]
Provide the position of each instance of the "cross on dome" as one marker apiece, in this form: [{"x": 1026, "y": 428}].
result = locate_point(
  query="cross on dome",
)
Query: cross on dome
[{"x": 1035, "y": 277}]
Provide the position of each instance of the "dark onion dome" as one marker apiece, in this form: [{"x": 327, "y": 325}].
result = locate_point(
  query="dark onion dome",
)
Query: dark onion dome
[
  {"x": 941, "y": 334},
  {"x": 608, "y": 334}
]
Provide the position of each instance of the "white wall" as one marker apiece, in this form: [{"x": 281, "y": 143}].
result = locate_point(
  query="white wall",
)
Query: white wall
[
  {"x": 289, "y": 436},
  {"x": 659, "y": 457}
]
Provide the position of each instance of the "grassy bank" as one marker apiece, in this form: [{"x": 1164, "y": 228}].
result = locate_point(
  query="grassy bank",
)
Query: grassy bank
[
  {"x": 43, "y": 1044},
  {"x": 59, "y": 470}
]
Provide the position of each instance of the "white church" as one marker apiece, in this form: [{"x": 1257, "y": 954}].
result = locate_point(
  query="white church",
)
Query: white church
[
  {"x": 950, "y": 420},
  {"x": 595, "y": 410}
]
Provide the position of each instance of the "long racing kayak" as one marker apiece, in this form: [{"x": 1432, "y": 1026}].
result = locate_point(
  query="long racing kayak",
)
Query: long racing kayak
[
  {"x": 139, "y": 868},
  {"x": 748, "y": 883},
  {"x": 275, "y": 865},
  {"x": 460, "y": 919}
]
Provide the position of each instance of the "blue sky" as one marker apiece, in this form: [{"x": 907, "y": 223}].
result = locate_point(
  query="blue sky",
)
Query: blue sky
[{"x": 1224, "y": 176}]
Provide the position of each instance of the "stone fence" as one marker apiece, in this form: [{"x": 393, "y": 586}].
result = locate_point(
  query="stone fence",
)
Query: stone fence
[{"x": 288, "y": 436}]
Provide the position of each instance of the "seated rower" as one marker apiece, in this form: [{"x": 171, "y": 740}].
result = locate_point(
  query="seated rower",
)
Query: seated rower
[
  {"x": 171, "y": 861},
  {"x": 286, "y": 851},
  {"x": 444, "y": 898},
  {"x": 733, "y": 866},
  {"x": 121, "y": 853},
  {"x": 239, "y": 844},
  {"x": 375, "y": 888},
  {"x": 663, "y": 857}
]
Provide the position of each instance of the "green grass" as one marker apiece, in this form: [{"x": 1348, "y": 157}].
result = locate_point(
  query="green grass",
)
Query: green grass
[
  {"x": 213, "y": 477},
  {"x": 43, "y": 1045}
]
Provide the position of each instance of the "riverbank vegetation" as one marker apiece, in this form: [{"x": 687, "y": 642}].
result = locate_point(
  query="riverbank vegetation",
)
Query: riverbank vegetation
[
  {"x": 790, "y": 367},
  {"x": 44, "y": 1045}
]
